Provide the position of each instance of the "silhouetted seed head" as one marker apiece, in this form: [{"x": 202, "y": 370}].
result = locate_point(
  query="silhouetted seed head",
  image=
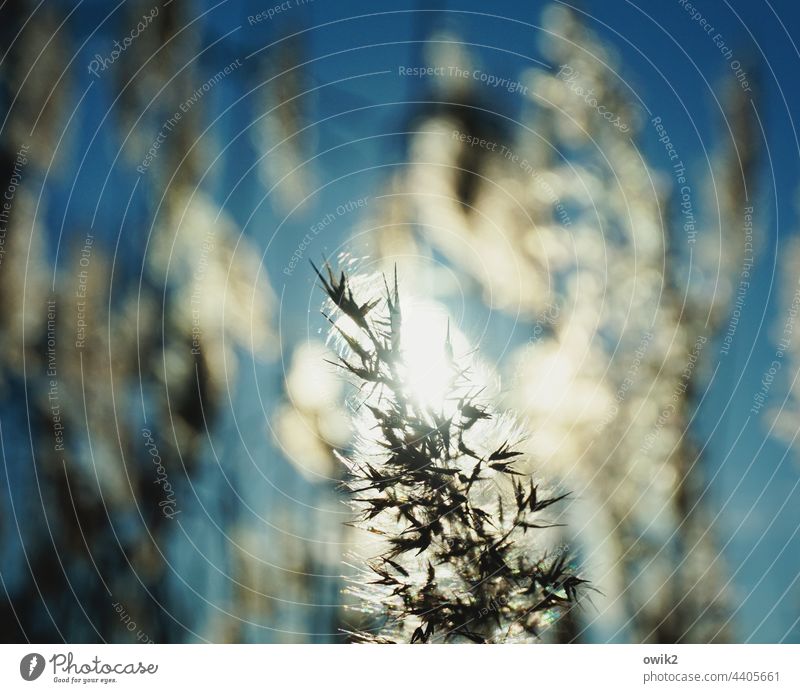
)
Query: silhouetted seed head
[{"x": 439, "y": 485}]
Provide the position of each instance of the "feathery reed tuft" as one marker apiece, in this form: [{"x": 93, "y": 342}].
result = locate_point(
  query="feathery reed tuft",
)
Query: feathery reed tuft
[{"x": 441, "y": 484}]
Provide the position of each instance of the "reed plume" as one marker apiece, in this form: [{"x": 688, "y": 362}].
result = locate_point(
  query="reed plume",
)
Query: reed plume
[{"x": 439, "y": 483}]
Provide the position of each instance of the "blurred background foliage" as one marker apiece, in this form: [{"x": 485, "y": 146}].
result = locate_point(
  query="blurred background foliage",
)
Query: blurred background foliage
[{"x": 172, "y": 297}]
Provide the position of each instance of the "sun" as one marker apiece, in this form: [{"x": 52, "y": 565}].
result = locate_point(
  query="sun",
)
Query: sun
[
  {"x": 432, "y": 358},
  {"x": 427, "y": 370}
]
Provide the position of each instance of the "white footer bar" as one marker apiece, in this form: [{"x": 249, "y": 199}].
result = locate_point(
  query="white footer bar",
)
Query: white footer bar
[{"x": 406, "y": 669}]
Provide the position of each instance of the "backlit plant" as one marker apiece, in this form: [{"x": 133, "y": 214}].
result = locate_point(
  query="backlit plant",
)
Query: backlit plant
[{"x": 442, "y": 485}]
